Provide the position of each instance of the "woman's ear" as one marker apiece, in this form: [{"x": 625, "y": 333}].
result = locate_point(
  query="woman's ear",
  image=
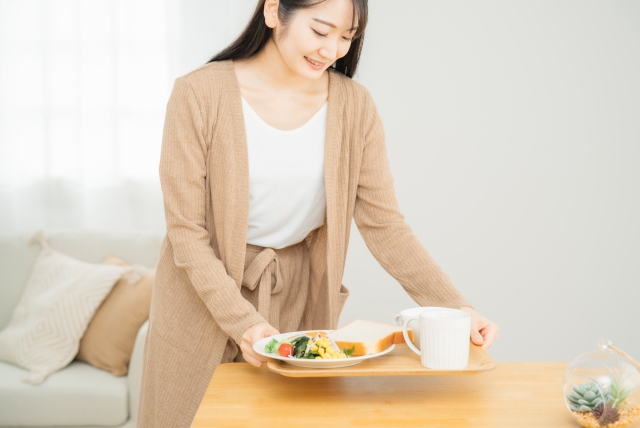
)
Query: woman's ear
[{"x": 271, "y": 13}]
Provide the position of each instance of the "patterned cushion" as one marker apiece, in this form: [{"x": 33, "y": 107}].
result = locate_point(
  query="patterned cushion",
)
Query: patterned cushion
[{"x": 58, "y": 302}]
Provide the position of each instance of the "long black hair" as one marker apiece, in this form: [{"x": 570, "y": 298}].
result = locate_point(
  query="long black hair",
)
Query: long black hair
[{"x": 256, "y": 34}]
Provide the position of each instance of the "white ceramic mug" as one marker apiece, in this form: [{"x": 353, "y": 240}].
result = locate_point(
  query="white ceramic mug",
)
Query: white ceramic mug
[
  {"x": 414, "y": 325},
  {"x": 445, "y": 335}
]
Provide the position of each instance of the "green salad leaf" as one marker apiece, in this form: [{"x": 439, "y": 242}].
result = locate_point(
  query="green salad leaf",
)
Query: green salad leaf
[
  {"x": 350, "y": 351},
  {"x": 299, "y": 346}
]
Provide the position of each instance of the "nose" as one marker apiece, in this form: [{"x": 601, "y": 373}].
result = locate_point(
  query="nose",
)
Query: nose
[{"x": 329, "y": 50}]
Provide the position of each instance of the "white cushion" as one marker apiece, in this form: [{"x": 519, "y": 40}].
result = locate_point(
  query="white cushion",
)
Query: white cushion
[
  {"x": 17, "y": 258},
  {"x": 58, "y": 302},
  {"x": 78, "y": 395}
]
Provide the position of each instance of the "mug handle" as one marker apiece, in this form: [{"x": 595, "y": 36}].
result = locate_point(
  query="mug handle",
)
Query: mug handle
[
  {"x": 406, "y": 335},
  {"x": 397, "y": 320}
]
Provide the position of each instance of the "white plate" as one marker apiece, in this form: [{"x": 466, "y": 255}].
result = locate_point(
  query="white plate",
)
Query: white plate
[{"x": 315, "y": 364}]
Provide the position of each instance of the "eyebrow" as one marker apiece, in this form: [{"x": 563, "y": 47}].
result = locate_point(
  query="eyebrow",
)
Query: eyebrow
[{"x": 330, "y": 24}]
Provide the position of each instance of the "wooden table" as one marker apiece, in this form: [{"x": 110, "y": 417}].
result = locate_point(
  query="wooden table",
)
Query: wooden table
[{"x": 513, "y": 395}]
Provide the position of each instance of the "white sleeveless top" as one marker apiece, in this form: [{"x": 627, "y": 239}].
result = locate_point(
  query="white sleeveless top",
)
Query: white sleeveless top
[{"x": 286, "y": 179}]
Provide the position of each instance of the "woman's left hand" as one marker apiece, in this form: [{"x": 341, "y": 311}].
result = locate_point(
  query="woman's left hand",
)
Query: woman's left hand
[{"x": 483, "y": 331}]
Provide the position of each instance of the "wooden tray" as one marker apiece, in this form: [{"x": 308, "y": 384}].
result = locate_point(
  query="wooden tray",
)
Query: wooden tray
[{"x": 402, "y": 361}]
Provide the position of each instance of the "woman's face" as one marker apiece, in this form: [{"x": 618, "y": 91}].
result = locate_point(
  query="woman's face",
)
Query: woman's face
[{"x": 314, "y": 38}]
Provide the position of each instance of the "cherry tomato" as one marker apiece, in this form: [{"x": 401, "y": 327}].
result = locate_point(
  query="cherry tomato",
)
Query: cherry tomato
[{"x": 285, "y": 350}]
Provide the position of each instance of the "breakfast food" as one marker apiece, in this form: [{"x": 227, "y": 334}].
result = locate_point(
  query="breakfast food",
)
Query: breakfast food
[
  {"x": 368, "y": 337},
  {"x": 312, "y": 345},
  {"x": 355, "y": 339}
]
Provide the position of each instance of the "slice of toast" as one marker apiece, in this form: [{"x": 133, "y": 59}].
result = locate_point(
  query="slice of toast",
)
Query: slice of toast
[{"x": 368, "y": 337}]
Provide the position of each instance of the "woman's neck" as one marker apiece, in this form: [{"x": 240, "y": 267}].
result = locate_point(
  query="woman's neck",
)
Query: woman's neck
[{"x": 272, "y": 72}]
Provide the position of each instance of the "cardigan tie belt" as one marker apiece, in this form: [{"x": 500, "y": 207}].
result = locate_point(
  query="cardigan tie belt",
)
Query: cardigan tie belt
[{"x": 258, "y": 273}]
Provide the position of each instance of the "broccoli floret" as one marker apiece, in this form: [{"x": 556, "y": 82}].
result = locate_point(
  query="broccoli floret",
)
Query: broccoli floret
[{"x": 272, "y": 347}]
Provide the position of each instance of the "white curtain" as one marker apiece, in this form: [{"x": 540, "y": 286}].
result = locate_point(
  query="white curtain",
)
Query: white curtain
[{"x": 83, "y": 92}]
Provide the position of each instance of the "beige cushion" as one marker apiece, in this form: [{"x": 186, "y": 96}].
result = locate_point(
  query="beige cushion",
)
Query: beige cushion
[
  {"x": 109, "y": 339},
  {"x": 60, "y": 298}
]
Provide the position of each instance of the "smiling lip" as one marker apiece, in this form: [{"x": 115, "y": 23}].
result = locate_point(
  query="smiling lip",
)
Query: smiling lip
[{"x": 315, "y": 64}]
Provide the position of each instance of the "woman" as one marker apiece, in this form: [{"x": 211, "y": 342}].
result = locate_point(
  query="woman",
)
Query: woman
[{"x": 269, "y": 151}]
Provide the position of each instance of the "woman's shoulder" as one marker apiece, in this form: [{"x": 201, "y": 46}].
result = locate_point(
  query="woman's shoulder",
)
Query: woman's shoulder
[
  {"x": 348, "y": 85},
  {"x": 215, "y": 76},
  {"x": 355, "y": 96},
  {"x": 207, "y": 70}
]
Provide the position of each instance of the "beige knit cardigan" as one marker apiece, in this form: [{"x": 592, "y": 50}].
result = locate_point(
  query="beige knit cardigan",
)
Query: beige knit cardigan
[{"x": 197, "y": 304}]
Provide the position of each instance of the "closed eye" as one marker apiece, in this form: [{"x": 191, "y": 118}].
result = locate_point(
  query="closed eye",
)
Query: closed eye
[{"x": 324, "y": 35}]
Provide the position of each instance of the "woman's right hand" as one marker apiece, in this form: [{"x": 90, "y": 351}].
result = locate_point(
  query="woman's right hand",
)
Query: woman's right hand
[{"x": 251, "y": 336}]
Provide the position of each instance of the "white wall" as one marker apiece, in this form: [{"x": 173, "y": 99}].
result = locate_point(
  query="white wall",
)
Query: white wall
[
  {"x": 513, "y": 136},
  {"x": 206, "y": 27}
]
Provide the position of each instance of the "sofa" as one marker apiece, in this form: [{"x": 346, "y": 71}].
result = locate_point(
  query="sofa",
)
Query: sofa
[{"x": 79, "y": 395}]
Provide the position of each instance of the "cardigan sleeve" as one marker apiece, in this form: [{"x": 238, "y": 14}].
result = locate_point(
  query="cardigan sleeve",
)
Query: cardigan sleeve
[
  {"x": 382, "y": 226},
  {"x": 182, "y": 178}
]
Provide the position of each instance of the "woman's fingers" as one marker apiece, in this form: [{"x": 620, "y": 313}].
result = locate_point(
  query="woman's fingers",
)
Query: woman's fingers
[
  {"x": 252, "y": 360},
  {"x": 476, "y": 337},
  {"x": 477, "y": 324},
  {"x": 263, "y": 332},
  {"x": 250, "y": 355},
  {"x": 251, "y": 336},
  {"x": 490, "y": 333},
  {"x": 483, "y": 331}
]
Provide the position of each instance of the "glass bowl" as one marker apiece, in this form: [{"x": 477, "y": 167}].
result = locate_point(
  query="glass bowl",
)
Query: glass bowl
[{"x": 601, "y": 388}]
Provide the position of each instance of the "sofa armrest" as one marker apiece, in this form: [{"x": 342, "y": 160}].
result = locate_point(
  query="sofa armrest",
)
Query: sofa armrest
[{"x": 134, "y": 377}]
